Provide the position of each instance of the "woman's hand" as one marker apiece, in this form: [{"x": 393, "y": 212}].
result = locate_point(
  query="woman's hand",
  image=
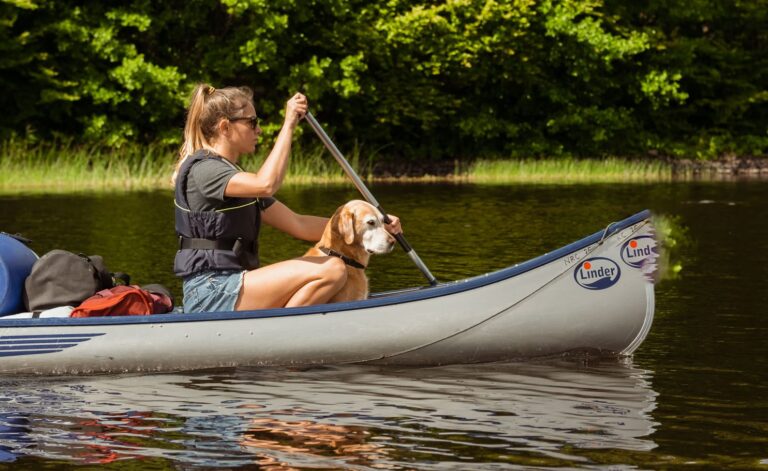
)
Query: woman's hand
[
  {"x": 295, "y": 109},
  {"x": 394, "y": 225}
]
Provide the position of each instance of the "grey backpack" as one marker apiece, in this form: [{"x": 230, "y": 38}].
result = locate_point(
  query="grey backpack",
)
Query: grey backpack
[{"x": 61, "y": 278}]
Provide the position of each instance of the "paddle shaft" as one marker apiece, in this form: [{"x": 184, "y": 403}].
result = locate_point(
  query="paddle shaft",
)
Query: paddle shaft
[{"x": 367, "y": 195}]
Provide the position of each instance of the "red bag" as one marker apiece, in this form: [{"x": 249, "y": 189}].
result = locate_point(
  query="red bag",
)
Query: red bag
[
  {"x": 117, "y": 301},
  {"x": 162, "y": 298}
]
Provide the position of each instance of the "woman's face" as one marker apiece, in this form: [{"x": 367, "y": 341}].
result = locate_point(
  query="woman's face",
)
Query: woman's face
[{"x": 244, "y": 130}]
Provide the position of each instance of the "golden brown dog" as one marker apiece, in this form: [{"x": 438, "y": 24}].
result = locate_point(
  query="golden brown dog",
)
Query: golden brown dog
[{"x": 355, "y": 231}]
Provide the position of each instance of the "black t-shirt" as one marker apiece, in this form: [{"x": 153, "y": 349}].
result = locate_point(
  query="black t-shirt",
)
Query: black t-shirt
[{"x": 207, "y": 182}]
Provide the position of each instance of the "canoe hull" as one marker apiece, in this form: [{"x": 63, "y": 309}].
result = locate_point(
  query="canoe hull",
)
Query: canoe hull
[{"x": 585, "y": 296}]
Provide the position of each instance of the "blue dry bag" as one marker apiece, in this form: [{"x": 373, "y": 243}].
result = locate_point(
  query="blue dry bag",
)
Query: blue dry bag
[{"x": 16, "y": 260}]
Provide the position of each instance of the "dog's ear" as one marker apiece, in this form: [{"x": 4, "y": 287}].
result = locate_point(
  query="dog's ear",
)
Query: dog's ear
[{"x": 347, "y": 225}]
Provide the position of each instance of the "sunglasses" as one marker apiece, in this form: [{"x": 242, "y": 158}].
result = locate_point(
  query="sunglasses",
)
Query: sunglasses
[{"x": 252, "y": 121}]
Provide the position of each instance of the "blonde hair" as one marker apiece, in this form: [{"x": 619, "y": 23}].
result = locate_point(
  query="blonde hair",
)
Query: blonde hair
[{"x": 207, "y": 107}]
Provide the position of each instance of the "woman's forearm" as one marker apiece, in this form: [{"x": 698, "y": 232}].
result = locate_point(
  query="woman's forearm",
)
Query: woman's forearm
[
  {"x": 270, "y": 176},
  {"x": 272, "y": 171}
]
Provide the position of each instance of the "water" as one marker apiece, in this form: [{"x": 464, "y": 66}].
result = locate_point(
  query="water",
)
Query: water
[{"x": 694, "y": 396}]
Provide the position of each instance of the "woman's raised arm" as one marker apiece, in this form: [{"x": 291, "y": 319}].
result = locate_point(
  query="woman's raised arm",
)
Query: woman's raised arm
[{"x": 268, "y": 179}]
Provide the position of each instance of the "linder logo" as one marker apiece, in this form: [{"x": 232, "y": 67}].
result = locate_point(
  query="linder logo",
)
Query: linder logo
[
  {"x": 638, "y": 249},
  {"x": 597, "y": 273}
]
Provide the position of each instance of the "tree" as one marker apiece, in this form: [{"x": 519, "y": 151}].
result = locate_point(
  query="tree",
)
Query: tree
[{"x": 408, "y": 78}]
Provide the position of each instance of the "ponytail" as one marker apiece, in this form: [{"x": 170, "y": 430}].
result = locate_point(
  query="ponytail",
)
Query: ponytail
[{"x": 207, "y": 107}]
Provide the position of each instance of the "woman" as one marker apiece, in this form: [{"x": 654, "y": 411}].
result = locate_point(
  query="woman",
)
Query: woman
[{"x": 220, "y": 207}]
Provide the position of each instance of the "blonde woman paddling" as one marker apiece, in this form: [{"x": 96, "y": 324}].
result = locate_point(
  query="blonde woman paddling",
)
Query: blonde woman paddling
[{"x": 220, "y": 208}]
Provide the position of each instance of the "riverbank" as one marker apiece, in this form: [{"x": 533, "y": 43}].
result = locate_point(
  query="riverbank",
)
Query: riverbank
[
  {"x": 61, "y": 168},
  {"x": 612, "y": 169}
]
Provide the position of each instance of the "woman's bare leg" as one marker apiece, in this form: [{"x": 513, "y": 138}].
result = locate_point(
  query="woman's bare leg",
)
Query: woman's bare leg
[{"x": 298, "y": 282}]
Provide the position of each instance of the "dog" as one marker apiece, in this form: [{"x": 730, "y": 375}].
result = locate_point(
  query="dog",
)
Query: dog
[{"x": 354, "y": 232}]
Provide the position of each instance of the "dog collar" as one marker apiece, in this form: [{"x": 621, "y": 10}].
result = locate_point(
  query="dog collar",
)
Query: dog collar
[{"x": 349, "y": 261}]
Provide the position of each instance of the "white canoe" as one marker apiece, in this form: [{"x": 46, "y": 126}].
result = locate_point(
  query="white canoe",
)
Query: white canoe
[{"x": 593, "y": 295}]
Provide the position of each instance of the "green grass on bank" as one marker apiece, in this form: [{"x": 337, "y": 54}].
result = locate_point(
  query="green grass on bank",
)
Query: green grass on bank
[
  {"x": 57, "y": 166},
  {"x": 66, "y": 167},
  {"x": 611, "y": 170}
]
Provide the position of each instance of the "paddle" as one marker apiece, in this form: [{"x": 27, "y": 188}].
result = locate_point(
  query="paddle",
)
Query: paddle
[{"x": 367, "y": 195}]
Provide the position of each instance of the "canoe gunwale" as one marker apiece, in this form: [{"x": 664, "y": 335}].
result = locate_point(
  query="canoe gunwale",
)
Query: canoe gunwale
[{"x": 377, "y": 300}]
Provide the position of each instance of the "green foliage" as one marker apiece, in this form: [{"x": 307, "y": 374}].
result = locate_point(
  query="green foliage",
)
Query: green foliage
[
  {"x": 707, "y": 73},
  {"x": 409, "y": 79},
  {"x": 660, "y": 88},
  {"x": 79, "y": 72}
]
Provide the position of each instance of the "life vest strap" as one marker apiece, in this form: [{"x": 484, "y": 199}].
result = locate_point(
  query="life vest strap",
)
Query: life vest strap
[{"x": 207, "y": 244}]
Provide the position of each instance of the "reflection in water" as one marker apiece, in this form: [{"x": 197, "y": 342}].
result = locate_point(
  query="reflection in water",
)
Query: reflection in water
[
  {"x": 545, "y": 414},
  {"x": 271, "y": 439},
  {"x": 14, "y": 431}
]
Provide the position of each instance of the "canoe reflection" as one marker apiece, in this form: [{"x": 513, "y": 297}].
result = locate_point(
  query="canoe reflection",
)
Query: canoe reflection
[
  {"x": 522, "y": 414},
  {"x": 14, "y": 432}
]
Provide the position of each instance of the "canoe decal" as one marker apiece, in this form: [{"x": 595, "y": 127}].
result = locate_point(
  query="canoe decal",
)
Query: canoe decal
[
  {"x": 16, "y": 345},
  {"x": 597, "y": 273},
  {"x": 637, "y": 250}
]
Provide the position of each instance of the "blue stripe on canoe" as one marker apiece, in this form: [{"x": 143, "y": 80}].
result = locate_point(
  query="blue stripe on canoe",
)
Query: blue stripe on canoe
[
  {"x": 44, "y": 340},
  {"x": 33, "y": 352},
  {"x": 16, "y": 345},
  {"x": 427, "y": 292},
  {"x": 47, "y": 336},
  {"x": 38, "y": 346}
]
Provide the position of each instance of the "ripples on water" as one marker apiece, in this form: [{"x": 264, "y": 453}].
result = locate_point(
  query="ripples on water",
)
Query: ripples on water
[{"x": 542, "y": 414}]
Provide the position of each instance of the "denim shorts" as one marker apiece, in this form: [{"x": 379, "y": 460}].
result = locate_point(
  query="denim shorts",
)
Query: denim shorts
[{"x": 212, "y": 291}]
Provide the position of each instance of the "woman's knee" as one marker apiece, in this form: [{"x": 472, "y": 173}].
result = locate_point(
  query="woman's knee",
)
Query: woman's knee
[{"x": 335, "y": 270}]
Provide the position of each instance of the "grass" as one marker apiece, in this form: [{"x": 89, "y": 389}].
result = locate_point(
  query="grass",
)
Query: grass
[
  {"x": 63, "y": 166},
  {"x": 67, "y": 167},
  {"x": 611, "y": 170}
]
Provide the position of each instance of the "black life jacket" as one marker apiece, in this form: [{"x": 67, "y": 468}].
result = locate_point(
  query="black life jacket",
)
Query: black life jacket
[{"x": 223, "y": 239}]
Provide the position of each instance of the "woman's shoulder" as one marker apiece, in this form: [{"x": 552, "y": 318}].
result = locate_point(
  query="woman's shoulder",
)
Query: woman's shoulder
[{"x": 213, "y": 166}]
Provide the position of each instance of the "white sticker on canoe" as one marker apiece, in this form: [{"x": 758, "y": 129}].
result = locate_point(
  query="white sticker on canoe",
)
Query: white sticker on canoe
[
  {"x": 597, "y": 273},
  {"x": 637, "y": 250}
]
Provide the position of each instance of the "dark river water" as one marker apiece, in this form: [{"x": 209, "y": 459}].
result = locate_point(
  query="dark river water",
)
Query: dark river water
[{"x": 694, "y": 396}]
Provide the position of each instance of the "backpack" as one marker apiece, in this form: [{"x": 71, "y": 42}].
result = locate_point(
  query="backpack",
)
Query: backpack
[
  {"x": 61, "y": 278},
  {"x": 117, "y": 301}
]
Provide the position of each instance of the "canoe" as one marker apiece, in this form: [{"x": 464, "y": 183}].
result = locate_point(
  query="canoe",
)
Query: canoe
[{"x": 595, "y": 295}]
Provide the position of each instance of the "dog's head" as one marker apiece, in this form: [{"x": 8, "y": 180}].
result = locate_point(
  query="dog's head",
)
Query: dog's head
[{"x": 359, "y": 222}]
